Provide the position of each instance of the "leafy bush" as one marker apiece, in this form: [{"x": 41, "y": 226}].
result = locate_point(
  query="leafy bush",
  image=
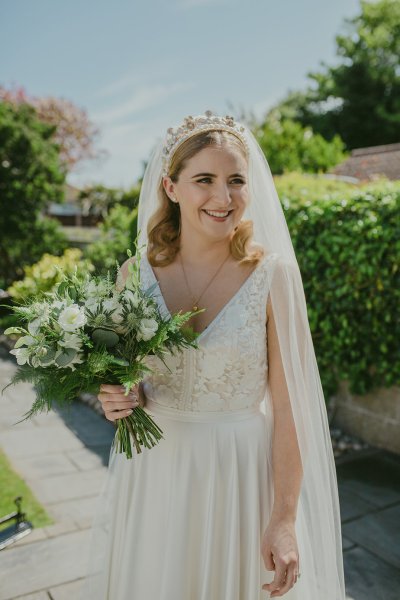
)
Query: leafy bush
[
  {"x": 289, "y": 146},
  {"x": 30, "y": 176},
  {"x": 348, "y": 251},
  {"x": 118, "y": 232},
  {"x": 45, "y": 274}
]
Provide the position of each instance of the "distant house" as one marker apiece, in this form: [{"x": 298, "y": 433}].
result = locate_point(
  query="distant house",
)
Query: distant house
[
  {"x": 80, "y": 229},
  {"x": 69, "y": 212},
  {"x": 367, "y": 164}
]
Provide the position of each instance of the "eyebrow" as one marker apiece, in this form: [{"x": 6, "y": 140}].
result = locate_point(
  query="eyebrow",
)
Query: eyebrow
[{"x": 213, "y": 175}]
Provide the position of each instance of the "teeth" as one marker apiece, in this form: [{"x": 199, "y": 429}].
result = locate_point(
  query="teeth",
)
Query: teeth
[{"x": 217, "y": 214}]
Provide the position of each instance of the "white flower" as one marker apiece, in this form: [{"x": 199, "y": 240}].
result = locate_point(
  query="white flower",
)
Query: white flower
[
  {"x": 71, "y": 340},
  {"x": 117, "y": 316},
  {"x": 111, "y": 304},
  {"x": 72, "y": 318},
  {"x": 90, "y": 289},
  {"x": 42, "y": 311},
  {"x": 25, "y": 340},
  {"x": 34, "y": 326},
  {"x": 147, "y": 329},
  {"x": 94, "y": 290},
  {"x": 131, "y": 297},
  {"x": 22, "y": 355},
  {"x": 92, "y": 304},
  {"x": 148, "y": 311}
]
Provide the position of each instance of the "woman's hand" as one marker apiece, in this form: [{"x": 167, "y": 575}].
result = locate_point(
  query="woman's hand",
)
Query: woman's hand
[
  {"x": 280, "y": 553},
  {"x": 114, "y": 402}
]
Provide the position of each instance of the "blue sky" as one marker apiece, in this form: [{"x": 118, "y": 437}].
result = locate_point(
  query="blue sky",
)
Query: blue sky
[{"x": 139, "y": 67}]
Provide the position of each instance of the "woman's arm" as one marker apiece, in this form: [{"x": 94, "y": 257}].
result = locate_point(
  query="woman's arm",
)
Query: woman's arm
[
  {"x": 279, "y": 545},
  {"x": 286, "y": 459}
]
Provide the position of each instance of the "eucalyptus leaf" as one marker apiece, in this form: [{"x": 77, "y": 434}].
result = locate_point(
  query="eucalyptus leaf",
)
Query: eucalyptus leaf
[{"x": 66, "y": 357}]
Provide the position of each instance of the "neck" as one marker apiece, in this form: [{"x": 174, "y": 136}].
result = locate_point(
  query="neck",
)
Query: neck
[{"x": 196, "y": 250}]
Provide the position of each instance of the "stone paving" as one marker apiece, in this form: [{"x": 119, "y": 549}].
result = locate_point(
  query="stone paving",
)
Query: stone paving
[{"x": 63, "y": 456}]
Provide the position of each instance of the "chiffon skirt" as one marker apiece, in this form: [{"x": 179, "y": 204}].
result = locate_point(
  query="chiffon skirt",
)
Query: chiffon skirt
[{"x": 184, "y": 520}]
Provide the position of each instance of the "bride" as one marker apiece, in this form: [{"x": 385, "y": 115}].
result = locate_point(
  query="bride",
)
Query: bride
[{"x": 241, "y": 493}]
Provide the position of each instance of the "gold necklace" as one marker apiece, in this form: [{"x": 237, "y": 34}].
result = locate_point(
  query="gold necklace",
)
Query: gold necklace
[{"x": 195, "y": 306}]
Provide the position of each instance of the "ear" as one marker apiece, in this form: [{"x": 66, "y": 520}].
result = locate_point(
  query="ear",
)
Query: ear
[{"x": 169, "y": 187}]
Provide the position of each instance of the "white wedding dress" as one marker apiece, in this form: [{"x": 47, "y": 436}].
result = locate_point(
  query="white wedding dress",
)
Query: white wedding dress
[{"x": 184, "y": 520}]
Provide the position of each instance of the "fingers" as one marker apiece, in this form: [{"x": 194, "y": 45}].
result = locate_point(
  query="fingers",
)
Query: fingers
[
  {"x": 284, "y": 578},
  {"x": 278, "y": 580},
  {"x": 114, "y": 402},
  {"x": 112, "y": 389},
  {"x": 289, "y": 582}
]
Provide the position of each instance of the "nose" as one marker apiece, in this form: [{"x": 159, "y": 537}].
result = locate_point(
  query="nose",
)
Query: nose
[{"x": 222, "y": 195}]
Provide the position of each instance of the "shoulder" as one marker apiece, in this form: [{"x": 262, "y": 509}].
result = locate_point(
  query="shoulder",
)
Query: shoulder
[
  {"x": 123, "y": 272},
  {"x": 285, "y": 275}
]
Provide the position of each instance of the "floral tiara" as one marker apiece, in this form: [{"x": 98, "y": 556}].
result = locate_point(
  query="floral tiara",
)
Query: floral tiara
[{"x": 193, "y": 125}]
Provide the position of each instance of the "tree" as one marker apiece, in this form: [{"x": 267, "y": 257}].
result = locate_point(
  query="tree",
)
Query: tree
[
  {"x": 30, "y": 176},
  {"x": 73, "y": 131},
  {"x": 359, "y": 99},
  {"x": 289, "y": 146}
]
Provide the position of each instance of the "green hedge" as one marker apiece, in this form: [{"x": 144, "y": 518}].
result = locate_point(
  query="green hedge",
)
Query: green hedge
[{"x": 348, "y": 250}]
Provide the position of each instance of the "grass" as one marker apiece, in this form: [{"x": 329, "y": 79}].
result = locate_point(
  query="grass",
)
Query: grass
[{"x": 11, "y": 486}]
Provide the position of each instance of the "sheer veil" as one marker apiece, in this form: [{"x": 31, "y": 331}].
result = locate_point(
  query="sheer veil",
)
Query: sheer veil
[{"x": 318, "y": 502}]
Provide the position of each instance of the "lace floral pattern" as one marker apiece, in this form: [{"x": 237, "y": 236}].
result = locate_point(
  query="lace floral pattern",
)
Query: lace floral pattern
[{"x": 229, "y": 369}]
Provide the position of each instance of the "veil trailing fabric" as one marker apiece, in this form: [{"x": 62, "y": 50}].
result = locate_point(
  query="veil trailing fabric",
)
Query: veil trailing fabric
[{"x": 318, "y": 501}]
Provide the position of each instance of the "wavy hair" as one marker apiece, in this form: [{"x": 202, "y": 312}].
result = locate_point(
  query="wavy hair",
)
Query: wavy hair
[{"x": 163, "y": 228}]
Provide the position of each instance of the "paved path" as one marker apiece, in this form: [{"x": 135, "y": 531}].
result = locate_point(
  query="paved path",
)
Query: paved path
[{"x": 48, "y": 564}]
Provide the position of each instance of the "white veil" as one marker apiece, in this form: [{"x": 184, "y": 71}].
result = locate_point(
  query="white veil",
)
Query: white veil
[{"x": 318, "y": 502}]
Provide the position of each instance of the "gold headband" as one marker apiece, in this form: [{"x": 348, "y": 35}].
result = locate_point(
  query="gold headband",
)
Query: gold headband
[{"x": 194, "y": 125}]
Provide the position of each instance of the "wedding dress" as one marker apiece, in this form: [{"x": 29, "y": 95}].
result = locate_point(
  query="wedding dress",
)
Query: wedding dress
[{"x": 184, "y": 520}]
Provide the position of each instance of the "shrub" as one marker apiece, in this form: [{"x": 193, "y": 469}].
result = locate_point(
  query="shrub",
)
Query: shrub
[
  {"x": 348, "y": 251},
  {"x": 44, "y": 275}
]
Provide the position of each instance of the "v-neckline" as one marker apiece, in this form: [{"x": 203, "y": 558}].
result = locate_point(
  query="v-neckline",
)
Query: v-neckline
[{"x": 226, "y": 305}]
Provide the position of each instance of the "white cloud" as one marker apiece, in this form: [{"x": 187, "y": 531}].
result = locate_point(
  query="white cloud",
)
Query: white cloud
[
  {"x": 144, "y": 97},
  {"x": 136, "y": 76}
]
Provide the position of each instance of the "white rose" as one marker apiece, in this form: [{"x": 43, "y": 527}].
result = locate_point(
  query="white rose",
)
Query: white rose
[
  {"x": 72, "y": 318},
  {"x": 147, "y": 329}
]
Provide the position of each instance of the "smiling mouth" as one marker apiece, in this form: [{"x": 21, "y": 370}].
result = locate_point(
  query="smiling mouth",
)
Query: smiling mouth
[{"x": 217, "y": 214}]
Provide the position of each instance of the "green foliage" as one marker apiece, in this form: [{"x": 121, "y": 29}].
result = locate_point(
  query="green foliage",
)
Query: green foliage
[
  {"x": 117, "y": 235},
  {"x": 30, "y": 177},
  {"x": 99, "y": 199},
  {"x": 294, "y": 189},
  {"x": 45, "y": 275},
  {"x": 348, "y": 251},
  {"x": 12, "y": 486},
  {"x": 290, "y": 147},
  {"x": 359, "y": 98}
]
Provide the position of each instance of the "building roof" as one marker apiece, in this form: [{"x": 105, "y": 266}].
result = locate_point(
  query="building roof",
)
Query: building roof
[{"x": 372, "y": 162}]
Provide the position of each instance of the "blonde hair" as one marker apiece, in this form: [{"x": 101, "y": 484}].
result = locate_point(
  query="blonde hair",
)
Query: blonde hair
[{"x": 163, "y": 228}]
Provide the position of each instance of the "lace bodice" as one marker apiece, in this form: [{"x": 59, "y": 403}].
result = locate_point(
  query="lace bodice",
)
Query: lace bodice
[{"x": 228, "y": 371}]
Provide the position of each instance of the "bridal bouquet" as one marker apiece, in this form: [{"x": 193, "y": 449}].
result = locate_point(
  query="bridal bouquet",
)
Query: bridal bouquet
[{"x": 89, "y": 332}]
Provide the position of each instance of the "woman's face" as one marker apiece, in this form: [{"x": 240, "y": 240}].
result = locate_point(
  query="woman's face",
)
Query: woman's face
[{"x": 215, "y": 179}]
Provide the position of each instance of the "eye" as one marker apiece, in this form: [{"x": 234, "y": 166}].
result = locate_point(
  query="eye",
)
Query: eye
[{"x": 237, "y": 179}]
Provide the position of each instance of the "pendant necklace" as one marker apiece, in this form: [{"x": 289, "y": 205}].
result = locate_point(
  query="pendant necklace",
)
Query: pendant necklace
[{"x": 195, "y": 302}]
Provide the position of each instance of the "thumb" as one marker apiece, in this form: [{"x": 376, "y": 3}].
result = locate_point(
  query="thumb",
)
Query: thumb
[{"x": 268, "y": 561}]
